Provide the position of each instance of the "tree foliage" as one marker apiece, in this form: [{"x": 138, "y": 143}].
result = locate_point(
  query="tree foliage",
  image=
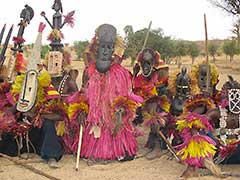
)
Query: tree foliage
[
  {"x": 180, "y": 48},
  {"x": 134, "y": 42},
  {"x": 80, "y": 46},
  {"x": 44, "y": 50},
  {"x": 230, "y": 49},
  {"x": 193, "y": 50},
  {"x": 213, "y": 49}
]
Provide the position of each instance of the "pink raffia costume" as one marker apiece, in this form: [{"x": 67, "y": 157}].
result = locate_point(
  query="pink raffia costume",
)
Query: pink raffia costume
[
  {"x": 107, "y": 99},
  {"x": 197, "y": 149}
]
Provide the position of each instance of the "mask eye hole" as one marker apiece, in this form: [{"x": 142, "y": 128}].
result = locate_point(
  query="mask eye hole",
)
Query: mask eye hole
[
  {"x": 232, "y": 96},
  {"x": 237, "y": 95}
]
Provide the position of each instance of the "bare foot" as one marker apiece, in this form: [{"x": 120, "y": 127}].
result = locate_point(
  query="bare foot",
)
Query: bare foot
[
  {"x": 189, "y": 173},
  {"x": 53, "y": 163},
  {"x": 155, "y": 153}
]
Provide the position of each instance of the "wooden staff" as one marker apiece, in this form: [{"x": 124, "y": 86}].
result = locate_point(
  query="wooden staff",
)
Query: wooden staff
[
  {"x": 206, "y": 51},
  {"x": 5, "y": 46},
  {"x": 172, "y": 150},
  {"x": 147, "y": 35},
  {"x": 2, "y": 33},
  {"x": 79, "y": 147}
]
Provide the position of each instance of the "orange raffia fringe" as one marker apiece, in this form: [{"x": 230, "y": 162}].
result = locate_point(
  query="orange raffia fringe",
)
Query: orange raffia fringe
[
  {"x": 125, "y": 102},
  {"x": 55, "y": 34},
  {"x": 196, "y": 101},
  {"x": 156, "y": 118}
]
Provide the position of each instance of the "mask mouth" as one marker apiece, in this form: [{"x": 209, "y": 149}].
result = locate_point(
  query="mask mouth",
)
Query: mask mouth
[
  {"x": 103, "y": 66},
  {"x": 147, "y": 75},
  {"x": 105, "y": 59},
  {"x": 146, "y": 70}
]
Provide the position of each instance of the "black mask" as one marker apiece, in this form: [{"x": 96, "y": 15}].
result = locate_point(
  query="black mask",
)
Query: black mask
[
  {"x": 202, "y": 78},
  {"x": 107, "y": 37},
  {"x": 183, "y": 84},
  {"x": 104, "y": 56},
  {"x": 147, "y": 62}
]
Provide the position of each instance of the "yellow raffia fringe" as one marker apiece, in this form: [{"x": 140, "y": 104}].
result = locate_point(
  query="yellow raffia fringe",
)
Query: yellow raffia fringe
[
  {"x": 197, "y": 149},
  {"x": 181, "y": 124},
  {"x": 52, "y": 91},
  {"x": 74, "y": 107},
  {"x": 17, "y": 86},
  {"x": 166, "y": 104},
  {"x": 44, "y": 80},
  {"x": 154, "y": 91},
  {"x": 60, "y": 128}
]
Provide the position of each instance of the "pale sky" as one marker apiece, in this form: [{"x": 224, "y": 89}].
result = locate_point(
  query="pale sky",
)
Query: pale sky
[{"x": 181, "y": 19}]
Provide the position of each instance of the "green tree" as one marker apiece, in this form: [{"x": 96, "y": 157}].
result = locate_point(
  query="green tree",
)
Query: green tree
[
  {"x": 180, "y": 50},
  {"x": 79, "y": 47},
  {"x": 44, "y": 50},
  {"x": 166, "y": 47},
  {"x": 230, "y": 49},
  {"x": 128, "y": 30},
  {"x": 193, "y": 50},
  {"x": 130, "y": 43},
  {"x": 213, "y": 49},
  {"x": 156, "y": 40}
]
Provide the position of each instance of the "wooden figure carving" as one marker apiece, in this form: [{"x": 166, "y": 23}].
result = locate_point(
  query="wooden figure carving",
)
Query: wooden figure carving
[{"x": 55, "y": 59}]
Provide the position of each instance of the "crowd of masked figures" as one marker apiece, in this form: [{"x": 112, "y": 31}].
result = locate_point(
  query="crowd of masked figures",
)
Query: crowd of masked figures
[{"x": 43, "y": 111}]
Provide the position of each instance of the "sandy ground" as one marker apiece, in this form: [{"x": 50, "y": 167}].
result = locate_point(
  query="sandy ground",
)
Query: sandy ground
[
  {"x": 139, "y": 169},
  {"x": 163, "y": 168}
]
